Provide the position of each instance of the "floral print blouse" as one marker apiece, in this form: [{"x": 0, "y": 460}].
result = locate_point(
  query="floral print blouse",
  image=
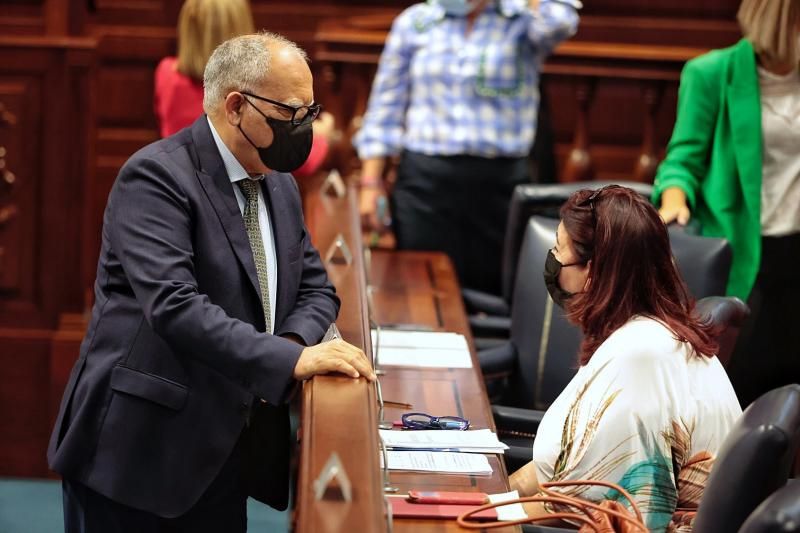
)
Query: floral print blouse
[{"x": 645, "y": 413}]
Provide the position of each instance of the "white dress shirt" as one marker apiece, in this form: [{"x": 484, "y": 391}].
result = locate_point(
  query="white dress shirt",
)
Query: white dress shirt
[{"x": 236, "y": 172}]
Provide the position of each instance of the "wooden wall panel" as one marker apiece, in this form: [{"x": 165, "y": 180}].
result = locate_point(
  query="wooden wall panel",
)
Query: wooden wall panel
[
  {"x": 22, "y": 17},
  {"x": 24, "y": 407},
  {"x": 699, "y": 9},
  {"x": 46, "y": 125},
  {"x": 19, "y": 141}
]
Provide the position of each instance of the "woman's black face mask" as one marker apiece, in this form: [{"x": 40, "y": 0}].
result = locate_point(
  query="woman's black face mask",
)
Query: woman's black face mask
[{"x": 552, "y": 268}]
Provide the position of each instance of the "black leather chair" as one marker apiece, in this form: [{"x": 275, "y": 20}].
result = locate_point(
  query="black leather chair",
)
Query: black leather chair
[
  {"x": 548, "y": 343},
  {"x": 539, "y": 331},
  {"x": 704, "y": 262},
  {"x": 755, "y": 460},
  {"x": 780, "y": 513},
  {"x": 728, "y": 311},
  {"x": 490, "y": 314}
]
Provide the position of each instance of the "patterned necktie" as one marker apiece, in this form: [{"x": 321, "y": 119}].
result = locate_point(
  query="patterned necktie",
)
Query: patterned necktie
[{"x": 250, "y": 190}]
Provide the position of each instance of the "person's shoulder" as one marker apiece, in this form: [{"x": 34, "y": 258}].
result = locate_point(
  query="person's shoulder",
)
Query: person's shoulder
[
  {"x": 167, "y": 63},
  {"x": 169, "y": 153},
  {"x": 711, "y": 65},
  {"x": 167, "y": 67},
  {"x": 645, "y": 340},
  {"x": 418, "y": 17},
  {"x": 168, "y": 77}
]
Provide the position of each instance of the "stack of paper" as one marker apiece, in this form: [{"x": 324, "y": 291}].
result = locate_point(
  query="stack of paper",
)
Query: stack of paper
[
  {"x": 442, "y": 462},
  {"x": 474, "y": 441},
  {"x": 421, "y": 348}
]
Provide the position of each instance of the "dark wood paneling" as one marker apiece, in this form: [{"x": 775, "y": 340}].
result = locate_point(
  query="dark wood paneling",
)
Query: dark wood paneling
[
  {"x": 46, "y": 126},
  {"x": 24, "y": 402}
]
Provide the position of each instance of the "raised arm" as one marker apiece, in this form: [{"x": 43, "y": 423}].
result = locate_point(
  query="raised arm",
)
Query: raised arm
[{"x": 551, "y": 22}]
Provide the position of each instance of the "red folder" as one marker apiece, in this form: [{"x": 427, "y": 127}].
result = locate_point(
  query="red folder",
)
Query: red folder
[{"x": 402, "y": 508}]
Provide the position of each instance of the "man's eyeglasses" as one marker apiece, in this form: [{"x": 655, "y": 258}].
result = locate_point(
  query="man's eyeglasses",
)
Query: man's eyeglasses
[
  {"x": 426, "y": 421},
  {"x": 300, "y": 114}
]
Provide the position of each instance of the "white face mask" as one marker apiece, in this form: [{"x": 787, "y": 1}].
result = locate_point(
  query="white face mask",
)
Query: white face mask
[{"x": 457, "y": 8}]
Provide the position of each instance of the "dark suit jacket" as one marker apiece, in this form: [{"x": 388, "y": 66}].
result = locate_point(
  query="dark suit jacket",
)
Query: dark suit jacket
[{"x": 175, "y": 352}]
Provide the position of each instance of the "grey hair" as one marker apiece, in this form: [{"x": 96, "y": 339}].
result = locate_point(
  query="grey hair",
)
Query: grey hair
[{"x": 241, "y": 64}]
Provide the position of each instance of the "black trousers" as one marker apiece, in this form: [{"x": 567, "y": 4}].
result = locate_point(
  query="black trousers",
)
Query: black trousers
[
  {"x": 767, "y": 354},
  {"x": 222, "y": 508},
  {"x": 457, "y": 205}
]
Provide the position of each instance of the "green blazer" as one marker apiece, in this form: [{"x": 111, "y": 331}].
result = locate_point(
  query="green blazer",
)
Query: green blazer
[{"x": 715, "y": 155}]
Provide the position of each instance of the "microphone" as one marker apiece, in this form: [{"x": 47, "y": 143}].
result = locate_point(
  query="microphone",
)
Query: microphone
[{"x": 387, "y": 485}]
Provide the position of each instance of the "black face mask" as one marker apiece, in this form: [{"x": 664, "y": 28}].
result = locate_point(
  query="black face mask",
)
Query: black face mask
[
  {"x": 552, "y": 268},
  {"x": 290, "y": 144}
]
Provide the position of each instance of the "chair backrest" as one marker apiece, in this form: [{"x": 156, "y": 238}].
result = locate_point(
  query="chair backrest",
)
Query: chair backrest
[
  {"x": 704, "y": 262},
  {"x": 729, "y": 314},
  {"x": 545, "y": 342},
  {"x": 753, "y": 462},
  {"x": 780, "y": 513},
  {"x": 545, "y": 200}
]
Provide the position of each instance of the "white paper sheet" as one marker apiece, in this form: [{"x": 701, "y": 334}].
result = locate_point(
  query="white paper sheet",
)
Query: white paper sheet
[
  {"x": 479, "y": 440},
  {"x": 515, "y": 511},
  {"x": 441, "y": 462},
  {"x": 421, "y": 349}
]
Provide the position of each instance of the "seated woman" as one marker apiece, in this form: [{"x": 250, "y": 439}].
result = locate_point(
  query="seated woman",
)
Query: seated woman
[{"x": 650, "y": 404}]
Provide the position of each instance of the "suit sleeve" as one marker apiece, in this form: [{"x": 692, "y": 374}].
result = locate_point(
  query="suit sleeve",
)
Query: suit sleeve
[
  {"x": 686, "y": 162},
  {"x": 150, "y": 224}
]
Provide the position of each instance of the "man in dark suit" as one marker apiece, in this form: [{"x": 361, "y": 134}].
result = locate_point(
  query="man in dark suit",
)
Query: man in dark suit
[{"x": 210, "y": 302}]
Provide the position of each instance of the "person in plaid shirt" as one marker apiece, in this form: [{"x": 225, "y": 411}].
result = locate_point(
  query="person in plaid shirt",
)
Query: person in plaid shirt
[{"x": 456, "y": 97}]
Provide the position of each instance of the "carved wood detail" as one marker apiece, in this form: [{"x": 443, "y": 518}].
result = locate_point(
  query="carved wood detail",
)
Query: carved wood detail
[
  {"x": 579, "y": 162},
  {"x": 647, "y": 163}
]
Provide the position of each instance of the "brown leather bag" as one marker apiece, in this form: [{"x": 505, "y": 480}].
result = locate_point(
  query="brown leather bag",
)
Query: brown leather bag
[{"x": 606, "y": 517}]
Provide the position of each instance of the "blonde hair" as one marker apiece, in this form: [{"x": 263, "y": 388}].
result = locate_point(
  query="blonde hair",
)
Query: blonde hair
[
  {"x": 772, "y": 27},
  {"x": 203, "y": 25}
]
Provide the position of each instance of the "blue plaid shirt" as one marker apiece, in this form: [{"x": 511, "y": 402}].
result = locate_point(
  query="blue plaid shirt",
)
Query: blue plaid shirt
[{"x": 439, "y": 91}]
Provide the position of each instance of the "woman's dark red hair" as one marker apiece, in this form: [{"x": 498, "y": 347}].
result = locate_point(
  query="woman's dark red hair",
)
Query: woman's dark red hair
[{"x": 632, "y": 271}]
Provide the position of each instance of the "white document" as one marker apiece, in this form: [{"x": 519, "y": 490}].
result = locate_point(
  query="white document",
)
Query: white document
[
  {"x": 478, "y": 440},
  {"x": 441, "y": 462},
  {"x": 426, "y": 339},
  {"x": 514, "y": 511},
  {"x": 421, "y": 349}
]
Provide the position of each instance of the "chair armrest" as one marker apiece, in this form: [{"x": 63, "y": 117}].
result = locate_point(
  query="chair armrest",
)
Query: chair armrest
[
  {"x": 484, "y": 302},
  {"x": 516, "y": 419},
  {"x": 485, "y": 343},
  {"x": 490, "y": 326},
  {"x": 497, "y": 361}
]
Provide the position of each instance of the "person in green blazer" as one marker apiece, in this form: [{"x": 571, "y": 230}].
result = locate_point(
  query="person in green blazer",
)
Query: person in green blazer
[{"x": 733, "y": 164}]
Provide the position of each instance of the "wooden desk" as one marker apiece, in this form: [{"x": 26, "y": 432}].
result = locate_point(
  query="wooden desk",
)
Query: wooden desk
[
  {"x": 340, "y": 414},
  {"x": 420, "y": 288}
]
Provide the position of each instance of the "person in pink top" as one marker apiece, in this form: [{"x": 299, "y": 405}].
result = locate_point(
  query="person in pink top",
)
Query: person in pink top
[{"x": 178, "y": 94}]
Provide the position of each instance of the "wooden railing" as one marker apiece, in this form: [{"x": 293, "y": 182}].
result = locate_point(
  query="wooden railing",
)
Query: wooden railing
[{"x": 339, "y": 414}]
